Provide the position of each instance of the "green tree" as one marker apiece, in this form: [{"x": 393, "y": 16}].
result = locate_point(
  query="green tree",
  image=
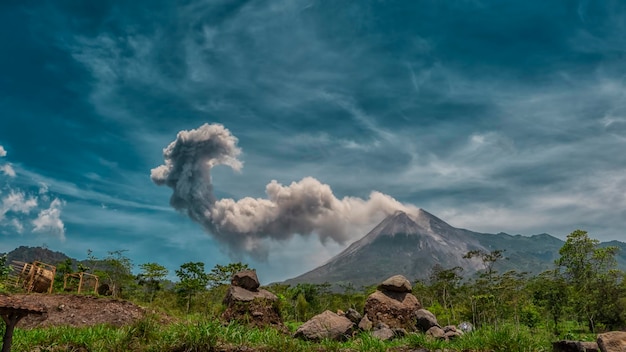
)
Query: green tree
[
  {"x": 151, "y": 276},
  {"x": 590, "y": 271},
  {"x": 192, "y": 279},
  {"x": 221, "y": 274},
  {"x": 5, "y": 269},
  {"x": 444, "y": 283},
  {"x": 550, "y": 292}
]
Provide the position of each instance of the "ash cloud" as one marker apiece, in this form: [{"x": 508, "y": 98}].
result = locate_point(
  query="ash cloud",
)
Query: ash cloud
[{"x": 306, "y": 207}]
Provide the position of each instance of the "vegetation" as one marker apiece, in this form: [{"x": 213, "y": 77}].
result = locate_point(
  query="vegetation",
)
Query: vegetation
[{"x": 583, "y": 294}]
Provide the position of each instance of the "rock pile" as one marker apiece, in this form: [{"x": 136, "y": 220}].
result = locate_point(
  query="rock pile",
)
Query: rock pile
[
  {"x": 393, "y": 304},
  {"x": 247, "y": 303},
  {"x": 392, "y": 311}
]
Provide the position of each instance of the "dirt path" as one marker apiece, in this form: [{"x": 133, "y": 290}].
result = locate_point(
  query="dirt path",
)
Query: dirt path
[{"x": 79, "y": 310}]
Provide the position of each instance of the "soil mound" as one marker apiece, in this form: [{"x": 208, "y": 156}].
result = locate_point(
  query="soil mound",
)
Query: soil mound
[{"x": 79, "y": 310}]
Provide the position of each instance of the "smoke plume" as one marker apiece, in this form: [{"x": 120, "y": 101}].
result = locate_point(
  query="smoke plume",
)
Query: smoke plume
[{"x": 305, "y": 207}]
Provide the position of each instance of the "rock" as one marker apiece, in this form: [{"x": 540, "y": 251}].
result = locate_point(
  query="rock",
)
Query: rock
[
  {"x": 396, "y": 309},
  {"x": 353, "y": 315},
  {"x": 397, "y": 283},
  {"x": 400, "y": 332},
  {"x": 239, "y": 294},
  {"x": 574, "y": 346},
  {"x": 383, "y": 333},
  {"x": 451, "y": 335},
  {"x": 612, "y": 341},
  {"x": 365, "y": 324},
  {"x": 449, "y": 328},
  {"x": 436, "y": 332},
  {"x": 466, "y": 326},
  {"x": 325, "y": 325},
  {"x": 425, "y": 320},
  {"x": 255, "y": 308},
  {"x": 246, "y": 279}
]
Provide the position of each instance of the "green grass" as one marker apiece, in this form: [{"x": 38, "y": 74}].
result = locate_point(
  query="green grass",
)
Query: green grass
[{"x": 211, "y": 335}]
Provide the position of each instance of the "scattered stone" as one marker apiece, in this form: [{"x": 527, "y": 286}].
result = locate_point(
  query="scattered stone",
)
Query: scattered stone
[
  {"x": 436, "y": 332},
  {"x": 466, "y": 326},
  {"x": 353, "y": 315},
  {"x": 397, "y": 283},
  {"x": 325, "y": 325},
  {"x": 365, "y": 324},
  {"x": 574, "y": 346},
  {"x": 451, "y": 335},
  {"x": 612, "y": 341},
  {"x": 246, "y": 279},
  {"x": 396, "y": 309},
  {"x": 383, "y": 332},
  {"x": 425, "y": 320},
  {"x": 399, "y": 332}
]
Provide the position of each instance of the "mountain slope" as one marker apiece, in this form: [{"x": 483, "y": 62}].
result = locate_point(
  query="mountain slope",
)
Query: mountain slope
[
  {"x": 411, "y": 244},
  {"x": 408, "y": 244}
]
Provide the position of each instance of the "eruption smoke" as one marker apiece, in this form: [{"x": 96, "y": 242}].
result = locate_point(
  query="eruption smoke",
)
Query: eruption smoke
[{"x": 304, "y": 207}]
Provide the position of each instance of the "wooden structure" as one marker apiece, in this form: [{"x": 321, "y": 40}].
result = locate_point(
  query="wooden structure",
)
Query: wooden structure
[
  {"x": 32, "y": 277},
  {"x": 12, "y": 311},
  {"x": 84, "y": 278}
]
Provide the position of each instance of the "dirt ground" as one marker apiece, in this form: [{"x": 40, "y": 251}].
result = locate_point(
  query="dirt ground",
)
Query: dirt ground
[{"x": 79, "y": 310}]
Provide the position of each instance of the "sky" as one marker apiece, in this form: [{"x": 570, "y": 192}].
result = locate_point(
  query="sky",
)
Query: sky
[{"x": 496, "y": 116}]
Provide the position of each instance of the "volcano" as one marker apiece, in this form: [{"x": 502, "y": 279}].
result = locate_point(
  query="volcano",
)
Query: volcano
[{"x": 412, "y": 244}]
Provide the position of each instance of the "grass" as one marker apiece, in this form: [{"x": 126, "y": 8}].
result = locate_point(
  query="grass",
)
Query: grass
[{"x": 211, "y": 335}]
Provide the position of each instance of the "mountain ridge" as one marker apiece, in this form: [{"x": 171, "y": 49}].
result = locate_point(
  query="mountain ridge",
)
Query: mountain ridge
[{"x": 411, "y": 243}]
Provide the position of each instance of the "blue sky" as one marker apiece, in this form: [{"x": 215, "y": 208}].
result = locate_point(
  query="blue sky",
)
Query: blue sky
[{"x": 495, "y": 116}]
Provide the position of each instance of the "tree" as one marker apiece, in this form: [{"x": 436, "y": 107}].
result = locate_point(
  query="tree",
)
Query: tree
[
  {"x": 549, "y": 291},
  {"x": 5, "y": 269},
  {"x": 590, "y": 271},
  {"x": 444, "y": 283},
  {"x": 150, "y": 278},
  {"x": 193, "y": 279},
  {"x": 221, "y": 274}
]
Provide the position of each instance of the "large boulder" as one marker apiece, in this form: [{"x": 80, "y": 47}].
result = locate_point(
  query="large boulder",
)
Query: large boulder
[
  {"x": 425, "y": 320},
  {"x": 397, "y": 283},
  {"x": 246, "y": 279},
  {"x": 327, "y": 325},
  {"x": 256, "y": 308},
  {"x": 396, "y": 309},
  {"x": 612, "y": 341}
]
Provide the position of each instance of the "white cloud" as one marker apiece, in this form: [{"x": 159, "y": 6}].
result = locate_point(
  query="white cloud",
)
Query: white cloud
[
  {"x": 49, "y": 220},
  {"x": 8, "y": 170},
  {"x": 3, "y": 152},
  {"x": 17, "y": 202}
]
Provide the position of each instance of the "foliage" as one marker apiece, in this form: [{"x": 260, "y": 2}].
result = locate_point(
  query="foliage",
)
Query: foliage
[
  {"x": 150, "y": 278},
  {"x": 221, "y": 274},
  {"x": 5, "y": 269},
  {"x": 192, "y": 279},
  {"x": 590, "y": 271}
]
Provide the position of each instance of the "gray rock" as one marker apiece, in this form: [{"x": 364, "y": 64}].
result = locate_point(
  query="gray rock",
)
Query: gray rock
[
  {"x": 383, "y": 333},
  {"x": 365, "y": 324},
  {"x": 466, "y": 326},
  {"x": 612, "y": 341},
  {"x": 397, "y": 283},
  {"x": 425, "y": 320},
  {"x": 436, "y": 332},
  {"x": 353, "y": 315},
  {"x": 327, "y": 325},
  {"x": 574, "y": 346},
  {"x": 246, "y": 279}
]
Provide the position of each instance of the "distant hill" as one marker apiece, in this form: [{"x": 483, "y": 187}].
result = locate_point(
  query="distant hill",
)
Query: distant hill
[
  {"x": 30, "y": 254},
  {"x": 411, "y": 244}
]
